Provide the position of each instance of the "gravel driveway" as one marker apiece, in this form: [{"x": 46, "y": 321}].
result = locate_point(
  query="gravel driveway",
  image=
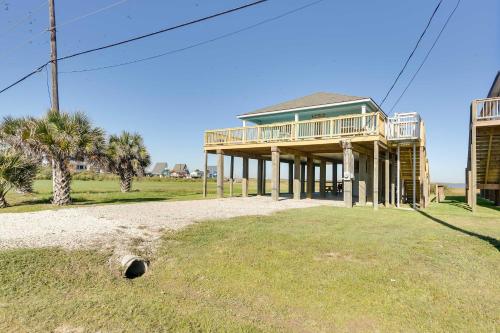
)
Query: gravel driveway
[{"x": 114, "y": 225}]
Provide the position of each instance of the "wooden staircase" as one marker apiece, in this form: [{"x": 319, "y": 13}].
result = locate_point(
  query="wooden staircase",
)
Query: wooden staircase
[
  {"x": 483, "y": 161},
  {"x": 406, "y": 158},
  {"x": 488, "y": 155}
]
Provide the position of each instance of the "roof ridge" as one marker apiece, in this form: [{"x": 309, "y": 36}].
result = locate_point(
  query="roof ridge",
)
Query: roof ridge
[{"x": 311, "y": 100}]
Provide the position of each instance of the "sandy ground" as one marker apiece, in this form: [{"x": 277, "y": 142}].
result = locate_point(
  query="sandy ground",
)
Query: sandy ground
[{"x": 114, "y": 226}]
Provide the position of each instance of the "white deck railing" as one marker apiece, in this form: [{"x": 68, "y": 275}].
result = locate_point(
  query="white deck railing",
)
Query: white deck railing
[
  {"x": 403, "y": 126},
  {"x": 325, "y": 128},
  {"x": 487, "y": 109}
]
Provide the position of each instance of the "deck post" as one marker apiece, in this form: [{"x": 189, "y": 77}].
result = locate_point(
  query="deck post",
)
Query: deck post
[
  {"x": 342, "y": 175},
  {"x": 467, "y": 186},
  {"x": 264, "y": 177},
  {"x": 473, "y": 165},
  {"x": 297, "y": 177},
  {"x": 414, "y": 176},
  {"x": 322, "y": 179},
  {"x": 259, "y": 176},
  {"x": 290, "y": 177},
  {"x": 398, "y": 177},
  {"x": 310, "y": 177},
  {"x": 393, "y": 181},
  {"x": 386, "y": 178},
  {"x": 302, "y": 177},
  {"x": 375, "y": 174},
  {"x": 231, "y": 177},
  {"x": 334, "y": 178},
  {"x": 348, "y": 175},
  {"x": 205, "y": 176},
  {"x": 314, "y": 178},
  {"x": 421, "y": 182},
  {"x": 220, "y": 174},
  {"x": 362, "y": 180},
  {"x": 469, "y": 196},
  {"x": 275, "y": 175},
  {"x": 369, "y": 179},
  {"x": 244, "y": 178}
]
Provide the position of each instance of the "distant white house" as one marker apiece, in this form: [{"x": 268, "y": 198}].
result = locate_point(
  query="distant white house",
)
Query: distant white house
[
  {"x": 160, "y": 169},
  {"x": 196, "y": 174}
]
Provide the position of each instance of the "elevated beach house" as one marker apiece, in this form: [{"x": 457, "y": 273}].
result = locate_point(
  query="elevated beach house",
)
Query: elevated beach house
[
  {"x": 383, "y": 159},
  {"x": 483, "y": 161}
]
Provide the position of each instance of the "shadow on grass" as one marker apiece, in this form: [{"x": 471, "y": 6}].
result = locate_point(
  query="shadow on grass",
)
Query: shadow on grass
[
  {"x": 459, "y": 201},
  {"x": 493, "y": 241}
]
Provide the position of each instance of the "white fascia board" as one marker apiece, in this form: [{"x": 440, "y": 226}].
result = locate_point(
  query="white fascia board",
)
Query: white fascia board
[{"x": 369, "y": 100}]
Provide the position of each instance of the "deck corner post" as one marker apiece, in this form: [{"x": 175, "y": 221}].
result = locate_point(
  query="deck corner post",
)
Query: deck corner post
[
  {"x": 398, "y": 177},
  {"x": 310, "y": 178},
  {"x": 334, "y": 178},
  {"x": 362, "y": 180},
  {"x": 231, "y": 177},
  {"x": 473, "y": 183},
  {"x": 259, "y": 176},
  {"x": 302, "y": 177},
  {"x": 290, "y": 177},
  {"x": 220, "y": 174},
  {"x": 393, "y": 181},
  {"x": 414, "y": 176},
  {"x": 297, "y": 177},
  {"x": 348, "y": 174},
  {"x": 244, "y": 178},
  {"x": 375, "y": 173},
  {"x": 275, "y": 176},
  {"x": 322, "y": 179},
  {"x": 386, "y": 179},
  {"x": 205, "y": 175}
]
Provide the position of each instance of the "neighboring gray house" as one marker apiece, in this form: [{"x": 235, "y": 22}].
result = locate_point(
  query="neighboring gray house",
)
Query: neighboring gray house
[
  {"x": 160, "y": 169},
  {"x": 211, "y": 171}
]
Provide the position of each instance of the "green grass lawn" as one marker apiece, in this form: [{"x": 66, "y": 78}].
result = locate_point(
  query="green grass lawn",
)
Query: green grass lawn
[
  {"x": 317, "y": 269},
  {"x": 91, "y": 192}
]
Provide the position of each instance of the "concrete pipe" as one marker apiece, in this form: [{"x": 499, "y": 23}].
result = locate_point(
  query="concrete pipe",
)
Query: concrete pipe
[{"x": 133, "y": 266}]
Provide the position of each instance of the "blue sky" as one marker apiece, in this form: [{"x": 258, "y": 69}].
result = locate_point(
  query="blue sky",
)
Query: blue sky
[{"x": 350, "y": 47}]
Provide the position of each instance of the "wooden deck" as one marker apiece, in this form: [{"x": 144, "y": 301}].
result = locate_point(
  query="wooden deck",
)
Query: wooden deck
[{"x": 373, "y": 143}]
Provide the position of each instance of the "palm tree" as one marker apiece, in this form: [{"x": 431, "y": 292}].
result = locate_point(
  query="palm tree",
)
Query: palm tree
[
  {"x": 127, "y": 157},
  {"x": 13, "y": 132},
  {"x": 58, "y": 138},
  {"x": 15, "y": 171}
]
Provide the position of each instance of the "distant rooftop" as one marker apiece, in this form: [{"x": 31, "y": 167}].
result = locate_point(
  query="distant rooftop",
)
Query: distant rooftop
[
  {"x": 159, "y": 168},
  {"x": 318, "y": 99}
]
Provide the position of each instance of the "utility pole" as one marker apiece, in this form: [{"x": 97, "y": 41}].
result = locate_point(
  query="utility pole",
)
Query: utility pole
[{"x": 53, "y": 57}]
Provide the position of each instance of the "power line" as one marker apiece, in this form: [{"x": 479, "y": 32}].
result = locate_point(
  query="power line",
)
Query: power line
[
  {"x": 25, "y": 17},
  {"x": 196, "y": 44},
  {"x": 70, "y": 21},
  {"x": 427, "y": 55},
  {"x": 182, "y": 25},
  {"x": 135, "y": 39},
  {"x": 97, "y": 11},
  {"x": 37, "y": 70},
  {"x": 412, "y": 52}
]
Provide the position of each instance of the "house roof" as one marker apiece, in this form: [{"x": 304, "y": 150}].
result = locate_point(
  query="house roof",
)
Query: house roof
[
  {"x": 159, "y": 167},
  {"x": 179, "y": 167},
  {"x": 317, "y": 99},
  {"x": 495, "y": 87}
]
